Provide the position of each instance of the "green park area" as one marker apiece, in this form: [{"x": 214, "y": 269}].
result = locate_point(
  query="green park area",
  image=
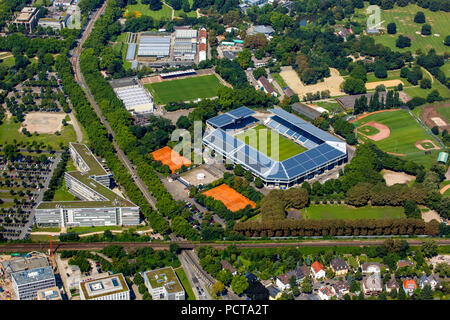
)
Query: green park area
[
  {"x": 279, "y": 80},
  {"x": 444, "y": 113},
  {"x": 185, "y": 282},
  {"x": 144, "y": 9},
  {"x": 404, "y": 133},
  {"x": 191, "y": 14},
  {"x": 121, "y": 47},
  {"x": 318, "y": 212},
  {"x": 404, "y": 19},
  {"x": 9, "y": 131},
  {"x": 7, "y": 59},
  {"x": 392, "y": 75},
  {"x": 187, "y": 89},
  {"x": 332, "y": 106},
  {"x": 261, "y": 138}
]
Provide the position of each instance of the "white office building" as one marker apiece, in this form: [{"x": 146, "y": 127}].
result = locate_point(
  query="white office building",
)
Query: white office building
[
  {"x": 163, "y": 284},
  {"x": 105, "y": 287},
  {"x": 27, "y": 283}
]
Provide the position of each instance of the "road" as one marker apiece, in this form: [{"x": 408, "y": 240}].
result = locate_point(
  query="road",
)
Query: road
[
  {"x": 187, "y": 245},
  {"x": 197, "y": 277},
  {"x": 75, "y": 61}
]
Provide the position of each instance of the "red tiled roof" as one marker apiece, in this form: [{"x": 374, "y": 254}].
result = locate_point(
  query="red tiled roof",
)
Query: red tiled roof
[
  {"x": 409, "y": 284},
  {"x": 202, "y": 33},
  {"x": 202, "y": 47},
  {"x": 317, "y": 266}
]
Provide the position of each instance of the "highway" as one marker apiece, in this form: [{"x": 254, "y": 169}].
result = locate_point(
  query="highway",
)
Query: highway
[
  {"x": 186, "y": 245},
  {"x": 75, "y": 61}
]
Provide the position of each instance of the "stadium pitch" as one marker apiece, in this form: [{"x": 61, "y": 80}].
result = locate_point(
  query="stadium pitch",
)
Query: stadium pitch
[
  {"x": 187, "y": 89},
  {"x": 262, "y": 141}
]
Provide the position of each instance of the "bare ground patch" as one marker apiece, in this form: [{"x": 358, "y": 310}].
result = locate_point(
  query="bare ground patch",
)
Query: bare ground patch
[
  {"x": 43, "y": 122},
  {"x": 430, "y": 215},
  {"x": 387, "y": 84},
  {"x": 393, "y": 177}
]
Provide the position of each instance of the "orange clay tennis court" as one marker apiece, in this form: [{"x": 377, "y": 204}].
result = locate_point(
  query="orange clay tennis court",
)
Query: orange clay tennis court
[
  {"x": 233, "y": 200},
  {"x": 173, "y": 159}
]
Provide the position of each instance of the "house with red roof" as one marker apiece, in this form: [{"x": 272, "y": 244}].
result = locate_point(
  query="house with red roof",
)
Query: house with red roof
[
  {"x": 409, "y": 286},
  {"x": 318, "y": 271}
]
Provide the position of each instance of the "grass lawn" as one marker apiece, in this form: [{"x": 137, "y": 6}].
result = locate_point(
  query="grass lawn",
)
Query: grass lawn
[
  {"x": 8, "y": 62},
  {"x": 392, "y": 75},
  {"x": 279, "y": 80},
  {"x": 318, "y": 212},
  {"x": 405, "y": 132},
  {"x": 369, "y": 130},
  {"x": 122, "y": 47},
  {"x": 185, "y": 282},
  {"x": 62, "y": 194},
  {"x": 416, "y": 91},
  {"x": 330, "y": 106},
  {"x": 444, "y": 113},
  {"x": 43, "y": 238},
  {"x": 286, "y": 148},
  {"x": 144, "y": 9},
  {"x": 404, "y": 19},
  {"x": 9, "y": 130},
  {"x": 187, "y": 89}
]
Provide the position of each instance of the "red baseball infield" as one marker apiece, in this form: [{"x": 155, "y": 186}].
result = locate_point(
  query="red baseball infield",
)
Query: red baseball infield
[
  {"x": 233, "y": 200},
  {"x": 173, "y": 159},
  {"x": 383, "y": 133}
]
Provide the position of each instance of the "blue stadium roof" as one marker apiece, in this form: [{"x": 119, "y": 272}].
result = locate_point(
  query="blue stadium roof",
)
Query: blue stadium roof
[{"x": 230, "y": 117}]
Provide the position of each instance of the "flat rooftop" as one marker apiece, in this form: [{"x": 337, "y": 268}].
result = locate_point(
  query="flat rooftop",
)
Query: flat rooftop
[
  {"x": 26, "y": 14},
  {"x": 34, "y": 275},
  {"x": 22, "y": 264},
  {"x": 49, "y": 294},
  {"x": 164, "y": 277},
  {"x": 110, "y": 284},
  {"x": 94, "y": 165}
]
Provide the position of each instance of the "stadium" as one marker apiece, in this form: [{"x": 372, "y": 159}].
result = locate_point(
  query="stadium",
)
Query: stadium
[{"x": 292, "y": 151}]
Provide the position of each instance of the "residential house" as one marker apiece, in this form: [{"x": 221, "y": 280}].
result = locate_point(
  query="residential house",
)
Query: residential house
[
  {"x": 282, "y": 281},
  {"x": 341, "y": 288},
  {"x": 305, "y": 270},
  {"x": 274, "y": 293},
  {"x": 392, "y": 285},
  {"x": 266, "y": 86},
  {"x": 325, "y": 293},
  {"x": 371, "y": 267},
  {"x": 251, "y": 277},
  {"x": 373, "y": 284},
  {"x": 431, "y": 280},
  {"x": 339, "y": 266},
  {"x": 318, "y": 270},
  {"x": 405, "y": 263},
  {"x": 226, "y": 265},
  {"x": 409, "y": 286}
]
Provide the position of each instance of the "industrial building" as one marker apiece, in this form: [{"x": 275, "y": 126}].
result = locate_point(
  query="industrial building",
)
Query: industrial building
[
  {"x": 99, "y": 205},
  {"x": 55, "y": 20},
  {"x": 136, "y": 99},
  {"x": 308, "y": 111},
  {"x": 163, "y": 284},
  {"x": 154, "y": 45},
  {"x": 105, "y": 287},
  {"x": 23, "y": 264},
  {"x": 185, "y": 43},
  {"x": 27, "y": 17},
  {"x": 266, "y": 30},
  {"x": 27, "y": 283},
  {"x": 131, "y": 51},
  {"x": 324, "y": 151}
]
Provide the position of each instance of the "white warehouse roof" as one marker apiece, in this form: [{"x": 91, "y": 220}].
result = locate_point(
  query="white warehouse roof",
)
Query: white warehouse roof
[
  {"x": 135, "y": 98},
  {"x": 154, "y": 46},
  {"x": 185, "y": 33}
]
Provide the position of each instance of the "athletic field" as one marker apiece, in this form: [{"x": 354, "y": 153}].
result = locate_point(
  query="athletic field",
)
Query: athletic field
[
  {"x": 318, "y": 212},
  {"x": 262, "y": 141},
  {"x": 404, "y": 133},
  {"x": 187, "y": 89}
]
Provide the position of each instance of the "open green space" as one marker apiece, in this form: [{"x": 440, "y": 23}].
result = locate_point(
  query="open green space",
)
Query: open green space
[
  {"x": 417, "y": 91},
  {"x": 392, "y": 75},
  {"x": 331, "y": 106},
  {"x": 261, "y": 138},
  {"x": 8, "y": 62},
  {"x": 404, "y": 133},
  {"x": 369, "y": 130},
  {"x": 63, "y": 194},
  {"x": 187, "y": 89},
  {"x": 404, "y": 19},
  {"x": 318, "y": 212},
  {"x": 185, "y": 282},
  {"x": 144, "y": 9},
  {"x": 9, "y": 130},
  {"x": 279, "y": 80},
  {"x": 444, "y": 113}
]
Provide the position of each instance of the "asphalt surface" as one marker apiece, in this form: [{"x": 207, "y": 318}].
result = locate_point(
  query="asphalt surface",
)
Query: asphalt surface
[{"x": 75, "y": 60}]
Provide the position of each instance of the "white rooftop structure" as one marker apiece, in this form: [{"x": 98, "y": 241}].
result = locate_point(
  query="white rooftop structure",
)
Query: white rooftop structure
[
  {"x": 158, "y": 46},
  {"x": 185, "y": 33},
  {"x": 107, "y": 287},
  {"x": 135, "y": 98}
]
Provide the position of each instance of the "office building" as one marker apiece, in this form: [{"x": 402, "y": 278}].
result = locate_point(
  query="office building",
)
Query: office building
[
  {"x": 27, "y": 283},
  {"x": 105, "y": 287},
  {"x": 163, "y": 284}
]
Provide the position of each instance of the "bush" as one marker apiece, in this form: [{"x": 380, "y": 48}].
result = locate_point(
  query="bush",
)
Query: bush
[
  {"x": 392, "y": 28},
  {"x": 447, "y": 41},
  {"x": 403, "y": 42},
  {"x": 425, "y": 83},
  {"x": 426, "y": 30},
  {"x": 419, "y": 17}
]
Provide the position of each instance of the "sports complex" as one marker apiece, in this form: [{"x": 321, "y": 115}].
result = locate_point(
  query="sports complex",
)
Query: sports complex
[{"x": 282, "y": 149}]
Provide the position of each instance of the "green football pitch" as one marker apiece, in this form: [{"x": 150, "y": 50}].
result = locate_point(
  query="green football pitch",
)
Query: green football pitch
[
  {"x": 187, "y": 89},
  {"x": 261, "y": 138}
]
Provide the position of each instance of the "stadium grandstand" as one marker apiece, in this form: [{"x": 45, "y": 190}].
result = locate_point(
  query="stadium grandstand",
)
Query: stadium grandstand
[
  {"x": 175, "y": 74},
  {"x": 322, "y": 151}
]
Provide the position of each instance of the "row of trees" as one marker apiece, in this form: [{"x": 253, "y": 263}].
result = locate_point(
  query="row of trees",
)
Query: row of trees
[{"x": 378, "y": 101}]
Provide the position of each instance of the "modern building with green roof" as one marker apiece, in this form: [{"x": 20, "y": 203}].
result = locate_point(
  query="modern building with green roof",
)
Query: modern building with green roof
[
  {"x": 163, "y": 284},
  {"x": 98, "y": 204}
]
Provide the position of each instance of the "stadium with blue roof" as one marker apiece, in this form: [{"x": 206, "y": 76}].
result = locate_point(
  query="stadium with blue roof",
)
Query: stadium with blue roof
[{"x": 323, "y": 151}]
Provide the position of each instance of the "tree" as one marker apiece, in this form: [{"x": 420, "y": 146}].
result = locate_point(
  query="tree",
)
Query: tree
[
  {"x": 138, "y": 280},
  {"x": 225, "y": 276},
  {"x": 380, "y": 70},
  {"x": 392, "y": 28},
  {"x": 174, "y": 248},
  {"x": 239, "y": 284},
  {"x": 426, "y": 293},
  {"x": 435, "y": 130},
  {"x": 425, "y": 83},
  {"x": 434, "y": 96},
  {"x": 419, "y": 17},
  {"x": 355, "y": 287},
  {"x": 155, "y": 5},
  {"x": 244, "y": 58},
  {"x": 429, "y": 248},
  {"x": 426, "y": 30},
  {"x": 259, "y": 183},
  {"x": 238, "y": 170},
  {"x": 183, "y": 122},
  {"x": 218, "y": 287},
  {"x": 142, "y": 288},
  {"x": 248, "y": 176},
  {"x": 359, "y": 72},
  {"x": 447, "y": 41},
  {"x": 307, "y": 285},
  {"x": 353, "y": 86},
  {"x": 403, "y": 42},
  {"x": 259, "y": 72}
]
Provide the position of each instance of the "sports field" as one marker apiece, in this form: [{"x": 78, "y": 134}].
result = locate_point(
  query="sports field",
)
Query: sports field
[
  {"x": 404, "y": 133},
  {"x": 318, "y": 212},
  {"x": 260, "y": 138},
  {"x": 233, "y": 200},
  {"x": 404, "y": 19},
  {"x": 187, "y": 89},
  {"x": 444, "y": 113},
  {"x": 171, "y": 158}
]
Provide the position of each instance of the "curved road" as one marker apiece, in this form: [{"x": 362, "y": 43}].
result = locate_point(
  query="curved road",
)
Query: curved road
[
  {"x": 28, "y": 247},
  {"x": 75, "y": 60}
]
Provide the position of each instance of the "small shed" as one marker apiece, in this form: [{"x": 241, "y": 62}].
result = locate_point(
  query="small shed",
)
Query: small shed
[{"x": 443, "y": 157}]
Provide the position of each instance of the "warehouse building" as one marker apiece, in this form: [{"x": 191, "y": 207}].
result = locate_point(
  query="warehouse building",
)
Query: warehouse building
[
  {"x": 99, "y": 205},
  {"x": 27, "y": 283},
  {"x": 154, "y": 46},
  {"x": 185, "y": 43},
  {"x": 136, "y": 99},
  {"x": 105, "y": 287},
  {"x": 163, "y": 284}
]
